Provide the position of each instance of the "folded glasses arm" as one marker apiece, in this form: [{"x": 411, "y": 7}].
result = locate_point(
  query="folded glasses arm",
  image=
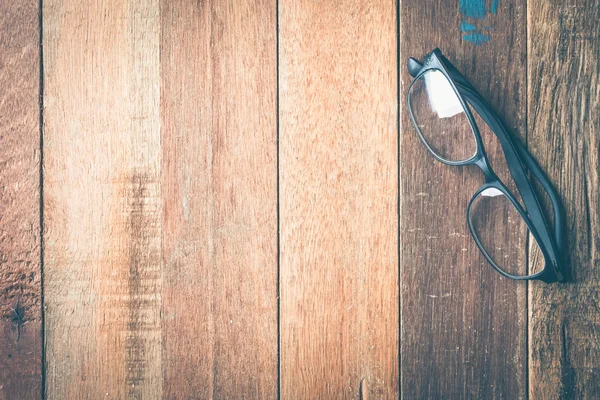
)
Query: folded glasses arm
[
  {"x": 541, "y": 176},
  {"x": 555, "y": 248},
  {"x": 524, "y": 156}
]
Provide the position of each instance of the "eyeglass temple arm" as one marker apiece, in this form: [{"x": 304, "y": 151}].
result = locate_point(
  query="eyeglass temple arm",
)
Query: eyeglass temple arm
[
  {"x": 529, "y": 162},
  {"x": 535, "y": 169},
  {"x": 414, "y": 67},
  {"x": 531, "y": 202}
]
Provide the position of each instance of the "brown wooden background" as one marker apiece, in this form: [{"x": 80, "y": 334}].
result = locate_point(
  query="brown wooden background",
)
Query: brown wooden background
[{"x": 225, "y": 199}]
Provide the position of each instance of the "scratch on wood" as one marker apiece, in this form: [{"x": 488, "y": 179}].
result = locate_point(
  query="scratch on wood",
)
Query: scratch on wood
[
  {"x": 18, "y": 317},
  {"x": 568, "y": 385},
  {"x": 434, "y": 296},
  {"x": 364, "y": 392}
]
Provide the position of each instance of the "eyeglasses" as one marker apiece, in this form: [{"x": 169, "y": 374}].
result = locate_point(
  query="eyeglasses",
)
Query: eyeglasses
[{"x": 439, "y": 101}]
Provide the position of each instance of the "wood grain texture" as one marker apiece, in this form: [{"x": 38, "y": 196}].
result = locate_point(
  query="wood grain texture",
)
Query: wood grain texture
[
  {"x": 338, "y": 199},
  {"x": 219, "y": 116},
  {"x": 463, "y": 325},
  {"x": 564, "y": 135},
  {"x": 102, "y": 203},
  {"x": 20, "y": 273}
]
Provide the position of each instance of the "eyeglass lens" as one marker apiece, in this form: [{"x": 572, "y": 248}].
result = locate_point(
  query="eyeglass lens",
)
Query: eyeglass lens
[
  {"x": 440, "y": 117},
  {"x": 502, "y": 232}
]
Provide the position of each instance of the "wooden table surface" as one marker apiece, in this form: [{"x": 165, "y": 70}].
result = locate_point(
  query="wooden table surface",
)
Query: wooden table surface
[{"x": 226, "y": 199}]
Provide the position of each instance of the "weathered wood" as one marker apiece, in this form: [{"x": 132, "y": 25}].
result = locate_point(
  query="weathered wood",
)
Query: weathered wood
[
  {"x": 20, "y": 273},
  {"x": 102, "y": 204},
  {"x": 338, "y": 199},
  {"x": 463, "y": 325},
  {"x": 564, "y": 135},
  {"x": 219, "y": 124}
]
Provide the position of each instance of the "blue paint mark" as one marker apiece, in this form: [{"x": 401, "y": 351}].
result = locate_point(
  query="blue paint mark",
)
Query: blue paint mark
[
  {"x": 495, "y": 6},
  {"x": 472, "y": 12},
  {"x": 473, "y": 8},
  {"x": 477, "y": 38},
  {"x": 465, "y": 26}
]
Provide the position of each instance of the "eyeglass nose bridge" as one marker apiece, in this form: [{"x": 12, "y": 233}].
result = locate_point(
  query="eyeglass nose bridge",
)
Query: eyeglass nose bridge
[{"x": 483, "y": 164}]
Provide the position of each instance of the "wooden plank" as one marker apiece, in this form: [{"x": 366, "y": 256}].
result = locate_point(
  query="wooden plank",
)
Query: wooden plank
[
  {"x": 564, "y": 99},
  {"x": 20, "y": 274},
  {"x": 338, "y": 199},
  {"x": 463, "y": 325},
  {"x": 219, "y": 77},
  {"x": 102, "y": 199}
]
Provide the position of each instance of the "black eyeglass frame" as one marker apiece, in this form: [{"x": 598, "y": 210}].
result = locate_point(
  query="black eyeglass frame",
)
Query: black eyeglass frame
[{"x": 517, "y": 158}]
